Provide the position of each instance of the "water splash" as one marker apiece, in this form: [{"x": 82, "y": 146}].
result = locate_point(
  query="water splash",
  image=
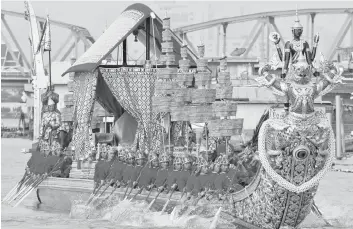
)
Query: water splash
[{"x": 136, "y": 214}]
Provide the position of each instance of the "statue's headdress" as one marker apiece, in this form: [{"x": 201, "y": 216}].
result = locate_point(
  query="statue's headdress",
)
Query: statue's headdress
[{"x": 297, "y": 24}]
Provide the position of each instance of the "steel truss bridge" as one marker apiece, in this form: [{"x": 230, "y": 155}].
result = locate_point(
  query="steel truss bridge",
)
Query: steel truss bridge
[
  {"x": 13, "y": 59},
  {"x": 265, "y": 23}
]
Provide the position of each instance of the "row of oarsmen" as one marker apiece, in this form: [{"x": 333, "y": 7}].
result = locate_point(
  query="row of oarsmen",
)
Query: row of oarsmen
[{"x": 121, "y": 167}]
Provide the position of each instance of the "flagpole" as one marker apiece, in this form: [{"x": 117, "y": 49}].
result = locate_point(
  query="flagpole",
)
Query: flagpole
[{"x": 49, "y": 52}]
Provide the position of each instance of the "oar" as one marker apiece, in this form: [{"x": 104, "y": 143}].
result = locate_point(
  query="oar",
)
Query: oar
[
  {"x": 24, "y": 178},
  {"x": 39, "y": 181},
  {"x": 30, "y": 190},
  {"x": 149, "y": 193},
  {"x": 138, "y": 178},
  {"x": 127, "y": 188},
  {"x": 150, "y": 205},
  {"x": 14, "y": 194},
  {"x": 17, "y": 187},
  {"x": 318, "y": 213},
  {"x": 95, "y": 194},
  {"x": 105, "y": 199},
  {"x": 166, "y": 204},
  {"x": 140, "y": 191},
  {"x": 215, "y": 219}
]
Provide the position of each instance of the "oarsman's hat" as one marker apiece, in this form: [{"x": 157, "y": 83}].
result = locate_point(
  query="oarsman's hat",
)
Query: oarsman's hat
[
  {"x": 202, "y": 161},
  {"x": 130, "y": 155},
  {"x": 164, "y": 157},
  {"x": 178, "y": 161},
  {"x": 140, "y": 155},
  {"x": 121, "y": 152},
  {"x": 187, "y": 159},
  {"x": 108, "y": 148},
  {"x": 222, "y": 160},
  {"x": 153, "y": 157}
]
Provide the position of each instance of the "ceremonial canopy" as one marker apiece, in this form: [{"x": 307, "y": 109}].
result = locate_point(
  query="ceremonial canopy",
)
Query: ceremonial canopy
[{"x": 118, "y": 89}]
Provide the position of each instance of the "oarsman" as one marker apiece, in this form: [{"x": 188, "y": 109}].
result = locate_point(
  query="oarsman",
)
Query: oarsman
[
  {"x": 148, "y": 177},
  {"x": 216, "y": 169},
  {"x": 233, "y": 178},
  {"x": 128, "y": 172},
  {"x": 223, "y": 182},
  {"x": 118, "y": 167},
  {"x": 174, "y": 175},
  {"x": 164, "y": 161},
  {"x": 185, "y": 173},
  {"x": 192, "y": 181},
  {"x": 98, "y": 170},
  {"x": 203, "y": 181},
  {"x": 140, "y": 163},
  {"x": 66, "y": 167},
  {"x": 53, "y": 161}
]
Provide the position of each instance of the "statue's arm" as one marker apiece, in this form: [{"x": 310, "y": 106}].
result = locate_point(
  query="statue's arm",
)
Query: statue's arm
[
  {"x": 330, "y": 79},
  {"x": 279, "y": 51},
  {"x": 287, "y": 48},
  {"x": 278, "y": 86},
  {"x": 316, "y": 41},
  {"x": 308, "y": 54}
]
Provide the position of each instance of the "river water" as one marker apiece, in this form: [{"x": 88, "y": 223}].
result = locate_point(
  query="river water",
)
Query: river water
[{"x": 125, "y": 215}]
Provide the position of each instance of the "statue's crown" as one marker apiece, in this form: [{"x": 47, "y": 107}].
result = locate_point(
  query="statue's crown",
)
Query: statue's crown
[{"x": 297, "y": 24}]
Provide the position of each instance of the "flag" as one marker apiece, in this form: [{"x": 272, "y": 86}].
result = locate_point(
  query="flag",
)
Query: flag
[{"x": 47, "y": 36}]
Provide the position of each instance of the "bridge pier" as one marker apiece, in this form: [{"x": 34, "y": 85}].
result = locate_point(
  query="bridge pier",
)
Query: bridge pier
[
  {"x": 224, "y": 48},
  {"x": 312, "y": 29}
]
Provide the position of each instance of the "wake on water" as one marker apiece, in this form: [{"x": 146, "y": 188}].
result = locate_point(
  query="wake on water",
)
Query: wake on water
[{"x": 136, "y": 214}]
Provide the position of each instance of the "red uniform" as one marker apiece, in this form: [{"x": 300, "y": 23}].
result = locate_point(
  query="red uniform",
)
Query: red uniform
[
  {"x": 173, "y": 178},
  {"x": 118, "y": 170},
  {"x": 136, "y": 172},
  {"x": 106, "y": 169},
  {"x": 128, "y": 173},
  {"x": 98, "y": 175},
  {"x": 213, "y": 177},
  {"x": 40, "y": 165},
  {"x": 192, "y": 183},
  {"x": 183, "y": 179},
  {"x": 52, "y": 161},
  {"x": 162, "y": 176},
  {"x": 33, "y": 161},
  {"x": 148, "y": 176},
  {"x": 203, "y": 182},
  {"x": 222, "y": 182}
]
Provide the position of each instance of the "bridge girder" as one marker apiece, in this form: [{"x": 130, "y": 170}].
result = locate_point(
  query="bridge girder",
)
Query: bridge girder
[
  {"x": 78, "y": 34},
  {"x": 266, "y": 24}
]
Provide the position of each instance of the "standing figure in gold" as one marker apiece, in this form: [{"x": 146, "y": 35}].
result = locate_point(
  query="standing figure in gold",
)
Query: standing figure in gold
[{"x": 51, "y": 121}]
